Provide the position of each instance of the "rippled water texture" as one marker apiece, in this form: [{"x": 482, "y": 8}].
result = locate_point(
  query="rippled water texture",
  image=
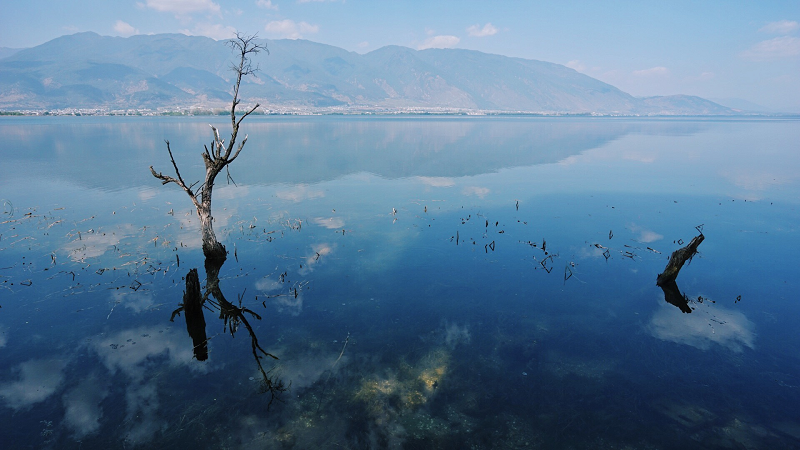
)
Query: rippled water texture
[{"x": 424, "y": 282}]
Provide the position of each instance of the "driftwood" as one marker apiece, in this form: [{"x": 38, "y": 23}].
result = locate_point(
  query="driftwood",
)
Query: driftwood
[{"x": 666, "y": 279}]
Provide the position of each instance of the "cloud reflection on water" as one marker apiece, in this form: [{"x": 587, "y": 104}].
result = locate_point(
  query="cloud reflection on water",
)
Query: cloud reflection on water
[
  {"x": 133, "y": 353},
  {"x": 37, "y": 380},
  {"x": 82, "y": 405},
  {"x": 703, "y": 328}
]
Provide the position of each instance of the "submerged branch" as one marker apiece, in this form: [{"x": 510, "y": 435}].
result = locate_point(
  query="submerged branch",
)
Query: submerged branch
[{"x": 676, "y": 261}]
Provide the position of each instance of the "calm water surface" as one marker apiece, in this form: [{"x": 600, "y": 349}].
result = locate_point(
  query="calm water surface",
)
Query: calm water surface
[{"x": 423, "y": 282}]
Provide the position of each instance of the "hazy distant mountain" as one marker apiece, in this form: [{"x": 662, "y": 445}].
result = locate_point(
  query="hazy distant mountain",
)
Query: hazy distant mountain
[
  {"x": 86, "y": 70},
  {"x": 743, "y": 105},
  {"x": 5, "y": 52}
]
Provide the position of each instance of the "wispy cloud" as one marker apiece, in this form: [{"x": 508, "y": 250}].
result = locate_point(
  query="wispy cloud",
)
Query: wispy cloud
[
  {"x": 319, "y": 250},
  {"x": 445, "y": 41},
  {"x": 212, "y": 30},
  {"x": 704, "y": 328},
  {"x": 267, "y": 4},
  {"x": 183, "y": 6},
  {"x": 290, "y": 29},
  {"x": 331, "y": 223},
  {"x": 82, "y": 412},
  {"x": 299, "y": 193},
  {"x": 125, "y": 29},
  {"x": 780, "y": 27},
  {"x": 38, "y": 380},
  {"x": 478, "y": 191},
  {"x": 653, "y": 71},
  {"x": 577, "y": 65},
  {"x": 477, "y": 31},
  {"x": 644, "y": 235},
  {"x": 775, "y": 48},
  {"x": 437, "y": 181}
]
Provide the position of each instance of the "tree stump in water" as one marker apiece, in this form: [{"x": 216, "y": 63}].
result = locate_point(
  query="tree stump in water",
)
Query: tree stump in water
[
  {"x": 676, "y": 261},
  {"x": 666, "y": 279}
]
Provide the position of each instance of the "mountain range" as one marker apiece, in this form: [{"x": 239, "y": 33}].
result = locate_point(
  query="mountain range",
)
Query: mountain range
[{"x": 86, "y": 70}]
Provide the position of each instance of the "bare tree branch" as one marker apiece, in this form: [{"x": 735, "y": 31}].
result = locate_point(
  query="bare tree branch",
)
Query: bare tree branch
[{"x": 220, "y": 155}]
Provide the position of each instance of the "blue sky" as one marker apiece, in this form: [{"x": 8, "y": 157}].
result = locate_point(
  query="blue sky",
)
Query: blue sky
[{"x": 715, "y": 49}]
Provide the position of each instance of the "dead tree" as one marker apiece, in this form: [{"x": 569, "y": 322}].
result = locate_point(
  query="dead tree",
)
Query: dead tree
[{"x": 221, "y": 154}]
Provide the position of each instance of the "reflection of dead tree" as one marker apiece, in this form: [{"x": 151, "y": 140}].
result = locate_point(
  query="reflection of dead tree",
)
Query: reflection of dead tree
[
  {"x": 231, "y": 315},
  {"x": 221, "y": 154},
  {"x": 193, "y": 312},
  {"x": 666, "y": 279}
]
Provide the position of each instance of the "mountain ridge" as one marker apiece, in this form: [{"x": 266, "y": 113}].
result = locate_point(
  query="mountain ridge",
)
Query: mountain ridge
[{"x": 87, "y": 70}]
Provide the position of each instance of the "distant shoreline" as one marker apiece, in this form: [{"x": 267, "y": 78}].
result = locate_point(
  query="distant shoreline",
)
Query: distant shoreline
[{"x": 202, "y": 112}]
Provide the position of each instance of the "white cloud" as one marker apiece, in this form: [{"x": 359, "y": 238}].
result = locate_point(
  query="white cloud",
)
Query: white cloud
[
  {"x": 299, "y": 193},
  {"x": 319, "y": 251},
  {"x": 82, "y": 406},
  {"x": 781, "y": 27},
  {"x": 267, "y": 4},
  {"x": 332, "y": 223},
  {"x": 437, "y": 181},
  {"x": 213, "y": 31},
  {"x": 439, "y": 42},
  {"x": 289, "y": 304},
  {"x": 577, "y": 65},
  {"x": 133, "y": 353},
  {"x": 779, "y": 47},
  {"x": 38, "y": 380},
  {"x": 137, "y": 301},
  {"x": 96, "y": 243},
  {"x": 480, "y": 192},
  {"x": 653, "y": 71},
  {"x": 125, "y": 29},
  {"x": 183, "y": 6},
  {"x": 290, "y": 29},
  {"x": 477, "y": 31},
  {"x": 644, "y": 235},
  {"x": 363, "y": 44},
  {"x": 703, "y": 327}
]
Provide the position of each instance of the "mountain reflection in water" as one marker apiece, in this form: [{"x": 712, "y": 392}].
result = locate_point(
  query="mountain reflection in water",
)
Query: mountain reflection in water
[{"x": 452, "y": 282}]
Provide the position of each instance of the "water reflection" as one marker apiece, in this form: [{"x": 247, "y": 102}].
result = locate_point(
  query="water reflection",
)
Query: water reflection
[
  {"x": 706, "y": 327},
  {"x": 232, "y": 317},
  {"x": 673, "y": 296},
  {"x": 431, "y": 310},
  {"x": 329, "y": 148}
]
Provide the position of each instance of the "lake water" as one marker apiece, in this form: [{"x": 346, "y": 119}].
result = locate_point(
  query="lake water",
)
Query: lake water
[{"x": 425, "y": 282}]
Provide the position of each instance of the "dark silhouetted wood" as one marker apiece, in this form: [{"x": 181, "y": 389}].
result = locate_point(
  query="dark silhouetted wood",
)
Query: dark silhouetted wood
[
  {"x": 676, "y": 261},
  {"x": 221, "y": 154}
]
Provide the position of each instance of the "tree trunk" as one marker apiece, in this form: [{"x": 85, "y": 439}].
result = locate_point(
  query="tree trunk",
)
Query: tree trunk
[
  {"x": 212, "y": 249},
  {"x": 220, "y": 154}
]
